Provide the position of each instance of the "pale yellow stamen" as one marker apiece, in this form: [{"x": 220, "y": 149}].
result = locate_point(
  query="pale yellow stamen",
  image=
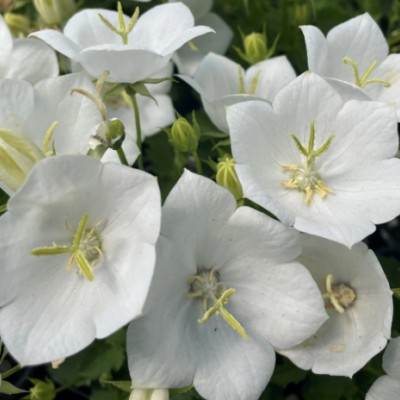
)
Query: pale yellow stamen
[
  {"x": 340, "y": 295},
  {"x": 253, "y": 85}
]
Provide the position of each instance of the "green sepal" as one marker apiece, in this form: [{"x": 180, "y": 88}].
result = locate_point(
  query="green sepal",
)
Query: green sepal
[
  {"x": 9, "y": 388},
  {"x": 98, "y": 152},
  {"x": 140, "y": 88}
]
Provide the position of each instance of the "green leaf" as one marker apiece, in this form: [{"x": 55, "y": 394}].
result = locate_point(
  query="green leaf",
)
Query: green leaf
[
  {"x": 125, "y": 386},
  {"x": 9, "y": 388}
]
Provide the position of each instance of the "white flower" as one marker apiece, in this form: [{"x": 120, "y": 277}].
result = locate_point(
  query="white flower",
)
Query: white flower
[
  {"x": 150, "y": 44},
  {"x": 36, "y": 121},
  {"x": 387, "y": 387},
  {"x": 26, "y": 59},
  {"x": 317, "y": 162},
  {"x": 78, "y": 251},
  {"x": 188, "y": 57},
  {"x": 225, "y": 290},
  {"x": 358, "y": 301},
  {"x": 356, "y": 52},
  {"x": 222, "y": 82}
]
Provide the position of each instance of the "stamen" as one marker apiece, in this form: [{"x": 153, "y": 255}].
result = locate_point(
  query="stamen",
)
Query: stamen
[
  {"x": 85, "y": 248},
  {"x": 206, "y": 286},
  {"x": 254, "y": 82},
  {"x": 48, "y": 137},
  {"x": 305, "y": 178},
  {"x": 340, "y": 295},
  {"x": 364, "y": 81}
]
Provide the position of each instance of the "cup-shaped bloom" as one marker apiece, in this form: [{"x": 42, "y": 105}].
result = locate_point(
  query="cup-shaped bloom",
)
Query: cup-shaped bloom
[
  {"x": 42, "y": 120},
  {"x": 318, "y": 162},
  {"x": 26, "y": 59},
  {"x": 222, "y": 82},
  {"x": 141, "y": 52},
  {"x": 359, "y": 303},
  {"x": 356, "y": 53},
  {"x": 78, "y": 251},
  {"x": 188, "y": 57},
  {"x": 387, "y": 387},
  {"x": 226, "y": 290}
]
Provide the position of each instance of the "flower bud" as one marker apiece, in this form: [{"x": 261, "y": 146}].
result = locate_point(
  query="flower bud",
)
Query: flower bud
[
  {"x": 18, "y": 24},
  {"x": 18, "y": 155},
  {"x": 255, "y": 47},
  {"x": 149, "y": 394},
  {"x": 226, "y": 176},
  {"x": 42, "y": 390},
  {"x": 55, "y": 12},
  {"x": 183, "y": 136},
  {"x": 109, "y": 133}
]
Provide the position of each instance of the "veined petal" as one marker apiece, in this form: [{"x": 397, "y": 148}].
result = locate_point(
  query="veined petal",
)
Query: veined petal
[
  {"x": 384, "y": 388},
  {"x": 391, "y": 359},
  {"x": 31, "y": 60},
  {"x": 317, "y": 50},
  {"x": 199, "y": 8}
]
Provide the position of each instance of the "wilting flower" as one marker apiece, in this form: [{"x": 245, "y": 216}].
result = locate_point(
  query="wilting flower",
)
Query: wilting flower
[
  {"x": 78, "y": 251},
  {"x": 356, "y": 52},
  {"x": 317, "y": 162},
  {"x": 131, "y": 49},
  {"x": 222, "y": 82},
  {"x": 26, "y": 59},
  {"x": 225, "y": 291},
  {"x": 387, "y": 387},
  {"x": 359, "y": 303}
]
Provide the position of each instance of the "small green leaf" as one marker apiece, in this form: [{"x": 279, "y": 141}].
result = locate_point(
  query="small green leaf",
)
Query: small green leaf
[{"x": 9, "y": 388}]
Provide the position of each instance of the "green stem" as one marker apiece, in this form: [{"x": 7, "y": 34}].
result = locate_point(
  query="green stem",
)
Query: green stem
[
  {"x": 122, "y": 157},
  {"x": 11, "y": 371},
  {"x": 138, "y": 131},
  {"x": 199, "y": 168}
]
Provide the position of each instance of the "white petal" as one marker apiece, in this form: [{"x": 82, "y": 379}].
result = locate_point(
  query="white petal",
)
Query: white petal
[
  {"x": 6, "y": 44},
  {"x": 359, "y": 38},
  {"x": 199, "y": 8},
  {"x": 16, "y": 103},
  {"x": 174, "y": 27},
  {"x": 391, "y": 359},
  {"x": 31, "y": 60},
  {"x": 271, "y": 75},
  {"x": 124, "y": 63},
  {"x": 87, "y": 29},
  {"x": 59, "y": 42},
  {"x": 346, "y": 341},
  {"x": 317, "y": 49},
  {"x": 384, "y": 388},
  {"x": 77, "y": 116},
  {"x": 187, "y": 59}
]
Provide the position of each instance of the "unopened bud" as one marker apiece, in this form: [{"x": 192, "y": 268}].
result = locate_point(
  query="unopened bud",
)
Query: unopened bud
[
  {"x": 226, "y": 176},
  {"x": 109, "y": 133},
  {"x": 183, "y": 136},
  {"x": 42, "y": 390},
  {"x": 18, "y": 155},
  {"x": 256, "y": 47},
  {"x": 55, "y": 12},
  {"x": 19, "y": 24},
  {"x": 302, "y": 14}
]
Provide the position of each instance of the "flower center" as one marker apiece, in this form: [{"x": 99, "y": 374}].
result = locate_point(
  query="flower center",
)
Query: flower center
[
  {"x": 206, "y": 286},
  {"x": 363, "y": 80},
  {"x": 340, "y": 295},
  {"x": 85, "y": 249},
  {"x": 305, "y": 178}
]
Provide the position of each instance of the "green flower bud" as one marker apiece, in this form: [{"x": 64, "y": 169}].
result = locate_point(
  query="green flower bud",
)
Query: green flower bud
[
  {"x": 55, "y": 12},
  {"x": 255, "y": 47},
  {"x": 42, "y": 390},
  {"x": 18, "y": 155},
  {"x": 109, "y": 133},
  {"x": 19, "y": 24},
  {"x": 183, "y": 136},
  {"x": 226, "y": 176},
  {"x": 302, "y": 14}
]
